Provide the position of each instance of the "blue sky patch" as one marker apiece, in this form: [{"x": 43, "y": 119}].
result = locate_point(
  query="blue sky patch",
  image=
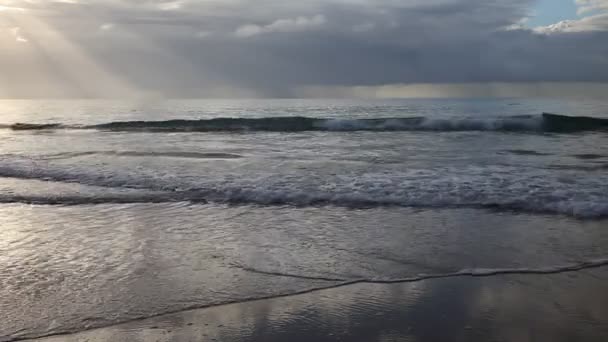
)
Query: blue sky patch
[{"x": 552, "y": 11}]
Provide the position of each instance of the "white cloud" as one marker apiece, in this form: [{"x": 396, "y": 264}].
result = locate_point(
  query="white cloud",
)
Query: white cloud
[
  {"x": 107, "y": 27},
  {"x": 171, "y": 5},
  {"x": 594, "y": 17},
  {"x": 592, "y": 23},
  {"x": 248, "y": 31},
  {"x": 519, "y": 25},
  {"x": 11, "y": 8},
  {"x": 587, "y": 24},
  {"x": 282, "y": 25},
  {"x": 586, "y": 6},
  {"x": 189, "y": 47},
  {"x": 19, "y": 38}
]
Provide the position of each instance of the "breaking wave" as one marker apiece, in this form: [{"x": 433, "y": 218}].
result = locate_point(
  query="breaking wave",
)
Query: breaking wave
[
  {"x": 578, "y": 209},
  {"x": 433, "y": 190},
  {"x": 524, "y": 123}
]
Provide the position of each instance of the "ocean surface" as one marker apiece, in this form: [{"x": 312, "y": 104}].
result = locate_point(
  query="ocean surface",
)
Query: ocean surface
[{"x": 112, "y": 211}]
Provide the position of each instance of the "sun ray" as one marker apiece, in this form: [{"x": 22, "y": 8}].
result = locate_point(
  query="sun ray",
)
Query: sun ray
[{"x": 78, "y": 68}]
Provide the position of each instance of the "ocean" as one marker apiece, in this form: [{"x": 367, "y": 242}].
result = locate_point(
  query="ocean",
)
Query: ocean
[{"x": 113, "y": 211}]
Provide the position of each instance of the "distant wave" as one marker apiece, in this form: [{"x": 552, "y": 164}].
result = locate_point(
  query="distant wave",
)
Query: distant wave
[
  {"x": 32, "y": 127},
  {"x": 524, "y": 123}
]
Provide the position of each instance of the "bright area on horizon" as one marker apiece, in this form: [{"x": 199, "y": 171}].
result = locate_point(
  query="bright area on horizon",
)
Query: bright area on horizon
[{"x": 329, "y": 48}]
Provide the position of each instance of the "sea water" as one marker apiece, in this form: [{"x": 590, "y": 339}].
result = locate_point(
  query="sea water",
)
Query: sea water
[{"x": 119, "y": 210}]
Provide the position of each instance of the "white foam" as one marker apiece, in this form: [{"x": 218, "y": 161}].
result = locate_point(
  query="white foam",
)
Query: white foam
[{"x": 501, "y": 188}]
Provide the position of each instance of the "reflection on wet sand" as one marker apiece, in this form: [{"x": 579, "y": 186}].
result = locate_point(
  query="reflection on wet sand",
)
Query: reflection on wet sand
[
  {"x": 71, "y": 268},
  {"x": 560, "y": 307}
]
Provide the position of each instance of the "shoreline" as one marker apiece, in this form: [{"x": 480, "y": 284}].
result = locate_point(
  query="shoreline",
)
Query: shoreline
[{"x": 554, "y": 296}]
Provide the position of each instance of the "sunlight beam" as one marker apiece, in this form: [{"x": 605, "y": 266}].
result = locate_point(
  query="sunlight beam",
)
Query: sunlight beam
[{"x": 68, "y": 59}]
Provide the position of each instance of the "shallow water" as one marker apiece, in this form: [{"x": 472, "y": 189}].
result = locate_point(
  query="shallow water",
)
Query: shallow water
[
  {"x": 562, "y": 307},
  {"x": 101, "y": 225},
  {"x": 466, "y": 159}
]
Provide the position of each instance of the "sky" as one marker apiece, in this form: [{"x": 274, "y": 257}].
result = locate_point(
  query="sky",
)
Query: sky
[
  {"x": 288, "y": 48},
  {"x": 547, "y": 12}
]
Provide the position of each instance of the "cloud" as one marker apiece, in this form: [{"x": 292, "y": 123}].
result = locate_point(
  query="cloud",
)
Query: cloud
[
  {"x": 365, "y": 27},
  {"x": 171, "y": 5},
  {"x": 282, "y": 25},
  {"x": 19, "y": 38},
  {"x": 586, "y": 6},
  {"x": 591, "y": 23},
  {"x": 594, "y": 18},
  {"x": 455, "y": 90},
  {"x": 203, "y": 34},
  {"x": 190, "y": 48},
  {"x": 107, "y": 27},
  {"x": 4, "y": 8}
]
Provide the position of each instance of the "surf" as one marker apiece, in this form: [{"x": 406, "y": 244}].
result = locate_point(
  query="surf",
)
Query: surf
[{"x": 547, "y": 122}]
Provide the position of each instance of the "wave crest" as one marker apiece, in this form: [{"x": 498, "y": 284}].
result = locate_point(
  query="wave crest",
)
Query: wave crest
[
  {"x": 523, "y": 123},
  {"x": 437, "y": 189}
]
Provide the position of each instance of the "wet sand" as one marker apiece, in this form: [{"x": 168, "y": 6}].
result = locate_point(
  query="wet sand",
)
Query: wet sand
[{"x": 571, "y": 306}]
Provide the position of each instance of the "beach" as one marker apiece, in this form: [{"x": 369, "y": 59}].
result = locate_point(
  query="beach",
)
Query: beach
[
  {"x": 305, "y": 220},
  {"x": 303, "y": 171},
  {"x": 560, "y": 307}
]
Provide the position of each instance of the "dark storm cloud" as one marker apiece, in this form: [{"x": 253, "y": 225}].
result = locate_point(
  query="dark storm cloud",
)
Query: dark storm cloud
[{"x": 271, "y": 47}]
